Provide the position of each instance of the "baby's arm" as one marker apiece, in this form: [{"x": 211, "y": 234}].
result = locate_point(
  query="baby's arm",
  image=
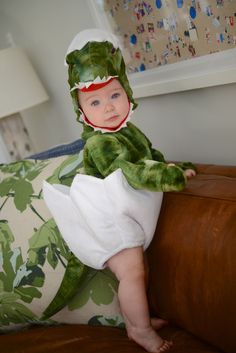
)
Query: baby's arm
[{"x": 107, "y": 154}]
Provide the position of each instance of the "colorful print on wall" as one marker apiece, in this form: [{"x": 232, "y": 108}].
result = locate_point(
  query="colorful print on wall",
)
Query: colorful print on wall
[{"x": 161, "y": 32}]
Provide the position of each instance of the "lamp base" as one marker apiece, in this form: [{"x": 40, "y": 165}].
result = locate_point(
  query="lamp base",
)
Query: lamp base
[{"x": 16, "y": 137}]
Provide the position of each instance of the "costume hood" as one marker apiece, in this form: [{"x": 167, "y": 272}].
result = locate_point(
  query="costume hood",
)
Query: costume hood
[{"x": 94, "y": 57}]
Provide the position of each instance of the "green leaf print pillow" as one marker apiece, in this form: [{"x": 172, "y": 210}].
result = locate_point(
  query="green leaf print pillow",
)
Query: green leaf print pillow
[{"x": 41, "y": 281}]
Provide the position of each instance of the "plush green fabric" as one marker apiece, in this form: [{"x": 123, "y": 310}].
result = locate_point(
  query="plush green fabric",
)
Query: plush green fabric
[{"x": 130, "y": 150}]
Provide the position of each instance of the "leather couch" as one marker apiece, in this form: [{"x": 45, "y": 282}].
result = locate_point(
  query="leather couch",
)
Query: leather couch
[{"x": 191, "y": 281}]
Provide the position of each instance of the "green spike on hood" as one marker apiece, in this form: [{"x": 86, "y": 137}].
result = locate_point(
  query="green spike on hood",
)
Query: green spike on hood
[{"x": 96, "y": 59}]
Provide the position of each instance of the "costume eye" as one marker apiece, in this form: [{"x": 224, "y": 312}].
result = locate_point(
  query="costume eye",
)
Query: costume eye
[
  {"x": 115, "y": 95},
  {"x": 95, "y": 103},
  {"x": 113, "y": 50}
]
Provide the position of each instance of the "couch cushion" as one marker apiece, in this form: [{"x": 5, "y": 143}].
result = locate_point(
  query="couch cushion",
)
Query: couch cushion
[
  {"x": 192, "y": 260},
  {"x": 38, "y": 273},
  {"x": 214, "y": 169},
  {"x": 88, "y": 339}
]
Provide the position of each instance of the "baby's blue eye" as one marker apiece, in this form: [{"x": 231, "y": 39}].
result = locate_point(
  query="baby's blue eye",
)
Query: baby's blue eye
[
  {"x": 115, "y": 95},
  {"x": 95, "y": 103}
]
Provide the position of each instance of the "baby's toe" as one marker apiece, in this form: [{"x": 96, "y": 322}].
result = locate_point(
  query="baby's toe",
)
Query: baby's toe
[{"x": 165, "y": 346}]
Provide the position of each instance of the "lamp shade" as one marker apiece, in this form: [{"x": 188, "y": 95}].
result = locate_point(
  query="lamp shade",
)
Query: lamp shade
[{"x": 20, "y": 87}]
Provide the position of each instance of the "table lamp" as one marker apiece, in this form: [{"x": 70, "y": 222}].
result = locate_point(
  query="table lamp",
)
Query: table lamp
[{"x": 20, "y": 89}]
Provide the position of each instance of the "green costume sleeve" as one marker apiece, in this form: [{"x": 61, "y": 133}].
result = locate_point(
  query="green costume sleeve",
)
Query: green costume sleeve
[
  {"x": 107, "y": 154},
  {"x": 157, "y": 156}
]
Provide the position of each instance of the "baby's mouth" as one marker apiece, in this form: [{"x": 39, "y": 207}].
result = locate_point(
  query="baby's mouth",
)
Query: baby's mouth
[{"x": 112, "y": 118}]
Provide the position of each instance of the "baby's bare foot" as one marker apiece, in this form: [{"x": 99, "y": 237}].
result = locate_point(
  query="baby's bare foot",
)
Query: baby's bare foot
[{"x": 148, "y": 339}]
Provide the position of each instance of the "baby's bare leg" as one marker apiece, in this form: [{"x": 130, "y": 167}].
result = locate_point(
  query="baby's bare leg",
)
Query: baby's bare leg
[{"x": 128, "y": 266}]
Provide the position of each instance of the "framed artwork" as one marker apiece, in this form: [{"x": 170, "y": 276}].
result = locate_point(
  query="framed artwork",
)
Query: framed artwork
[{"x": 172, "y": 45}]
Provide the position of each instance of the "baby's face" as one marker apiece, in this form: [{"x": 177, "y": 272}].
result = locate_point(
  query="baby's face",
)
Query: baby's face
[{"x": 107, "y": 106}]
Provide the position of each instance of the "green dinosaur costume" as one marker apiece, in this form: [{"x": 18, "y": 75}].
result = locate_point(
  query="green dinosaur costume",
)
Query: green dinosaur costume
[
  {"x": 120, "y": 194},
  {"x": 92, "y": 56}
]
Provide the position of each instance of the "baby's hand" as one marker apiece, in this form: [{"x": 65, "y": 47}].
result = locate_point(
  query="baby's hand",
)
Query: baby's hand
[{"x": 189, "y": 173}]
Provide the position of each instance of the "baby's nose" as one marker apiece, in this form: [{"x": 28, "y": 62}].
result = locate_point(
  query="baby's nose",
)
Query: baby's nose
[{"x": 109, "y": 107}]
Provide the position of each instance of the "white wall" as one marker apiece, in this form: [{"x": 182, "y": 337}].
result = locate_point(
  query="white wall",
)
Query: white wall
[
  {"x": 196, "y": 125},
  {"x": 44, "y": 28}
]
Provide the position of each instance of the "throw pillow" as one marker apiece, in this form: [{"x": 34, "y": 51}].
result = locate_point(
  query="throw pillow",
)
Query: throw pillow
[{"x": 40, "y": 279}]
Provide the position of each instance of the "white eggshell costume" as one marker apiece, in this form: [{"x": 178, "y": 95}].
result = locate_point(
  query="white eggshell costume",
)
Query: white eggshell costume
[{"x": 100, "y": 217}]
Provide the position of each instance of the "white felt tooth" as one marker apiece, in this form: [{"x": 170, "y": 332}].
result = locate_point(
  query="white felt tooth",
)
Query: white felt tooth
[{"x": 97, "y": 80}]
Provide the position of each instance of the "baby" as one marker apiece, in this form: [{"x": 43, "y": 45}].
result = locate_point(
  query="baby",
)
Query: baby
[{"x": 108, "y": 215}]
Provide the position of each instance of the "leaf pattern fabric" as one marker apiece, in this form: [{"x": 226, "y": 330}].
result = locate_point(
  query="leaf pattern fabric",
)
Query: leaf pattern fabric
[{"x": 40, "y": 279}]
